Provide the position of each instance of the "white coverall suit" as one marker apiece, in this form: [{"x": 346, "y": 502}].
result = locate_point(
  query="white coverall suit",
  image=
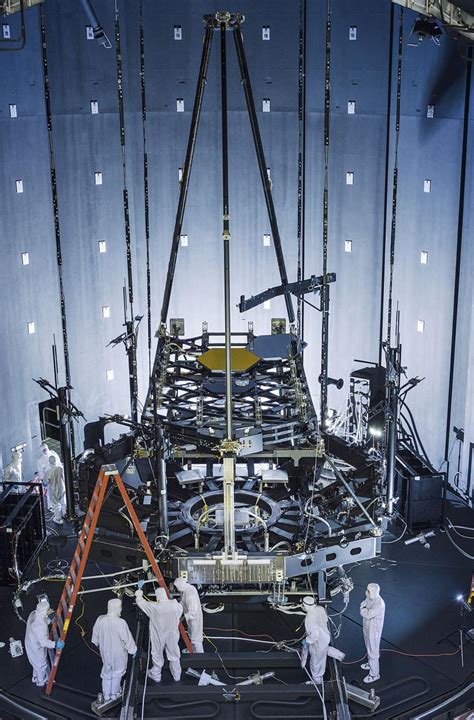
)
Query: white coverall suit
[
  {"x": 56, "y": 490},
  {"x": 318, "y": 639},
  {"x": 192, "y": 612},
  {"x": 37, "y": 643},
  {"x": 43, "y": 465},
  {"x": 372, "y": 610},
  {"x": 164, "y": 617},
  {"x": 112, "y": 636}
]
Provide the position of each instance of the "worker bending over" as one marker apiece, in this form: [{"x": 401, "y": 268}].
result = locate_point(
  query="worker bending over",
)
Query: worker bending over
[{"x": 192, "y": 612}]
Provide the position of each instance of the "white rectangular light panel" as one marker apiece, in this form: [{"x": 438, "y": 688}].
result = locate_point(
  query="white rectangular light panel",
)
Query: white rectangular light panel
[
  {"x": 180, "y": 174},
  {"x": 178, "y": 32},
  {"x": 102, "y": 246},
  {"x": 353, "y": 32},
  {"x": 6, "y": 31},
  {"x": 19, "y": 186},
  {"x": 106, "y": 311},
  {"x": 179, "y": 105},
  {"x": 89, "y": 32},
  {"x": 109, "y": 374},
  {"x": 266, "y": 32},
  {"x": 13, "y": 111},
  {"x": 427, "y": 186},
  {"x": 94, "y": 107},
  {"x": 351, "y": 107},
  {"x": 184, "y": 240},
  {"x": 347, "y": 245},
  {"x": 267, "y": 240},
  {"x": 430, "y": 111},
  {"x": 266, "y": 304},
  {"x": 25, "y": 258},
  {"x": 98, "y": 178},
  {"x": 266, "y": 104},
  {"x": 424, "y": 257},
  {"x": 420, "y": 326},
  {"x": 31, "y": 328},
  {"x": 349, "y": 178}
]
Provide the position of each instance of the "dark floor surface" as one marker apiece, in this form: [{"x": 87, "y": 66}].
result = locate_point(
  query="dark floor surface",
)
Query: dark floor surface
[{"x": 419, "y": 587}]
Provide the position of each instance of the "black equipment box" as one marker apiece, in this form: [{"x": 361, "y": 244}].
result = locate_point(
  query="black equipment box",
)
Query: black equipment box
[
  {"x": 22, "y": 529},
  {"x": 421, "y": 491}
]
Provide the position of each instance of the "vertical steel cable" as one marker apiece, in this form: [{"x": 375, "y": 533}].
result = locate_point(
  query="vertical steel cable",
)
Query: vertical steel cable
[
  {"x": 325, "y": 285},
  {"x": 126, "y": 215},
  {"x": 301, "y": 160},
  {"x": 145, "y": 185},
  {"x": 57, "y": 228},
  {"x": 395, "y": 178}
]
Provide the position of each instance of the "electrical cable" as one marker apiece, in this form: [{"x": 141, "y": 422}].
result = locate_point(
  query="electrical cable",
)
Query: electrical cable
[
  {"x": 390, "y": 542},
  {"x": 232, "y": 677},
  {"x": 459, "y": 549},
  {"x": 114, "y": 574},
  {"x": 456, "y": 528}
]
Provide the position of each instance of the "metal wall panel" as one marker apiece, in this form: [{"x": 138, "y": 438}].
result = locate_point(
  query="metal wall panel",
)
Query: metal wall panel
[{"x": 81, "y": 71}]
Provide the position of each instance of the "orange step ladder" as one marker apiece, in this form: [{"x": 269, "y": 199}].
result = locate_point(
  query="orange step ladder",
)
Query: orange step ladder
[{"x": 67, "y": 601}]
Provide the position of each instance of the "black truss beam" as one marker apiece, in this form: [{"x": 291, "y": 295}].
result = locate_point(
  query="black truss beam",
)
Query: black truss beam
[{"x": 314, "y": 284}]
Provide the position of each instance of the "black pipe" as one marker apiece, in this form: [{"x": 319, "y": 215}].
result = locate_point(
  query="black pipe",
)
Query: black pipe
[
  {"x": 385, "y": 197},
  {"x": 266, "y": 183},
  {"x": 62, "y": 405},
  {"x": 162, "y": 487},
  {"x": 462, "y": 193},
  {"x": 301, "y": 160},
  {"x": 323, "y": 378},
  {"x": 201, "y": 84}
]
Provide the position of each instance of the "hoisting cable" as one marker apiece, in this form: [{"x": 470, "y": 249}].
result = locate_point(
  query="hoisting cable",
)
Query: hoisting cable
[
  {"x": 325, "y": 285},
  {"x": 395, "y": 177},
  {"x": 57, "y": 228},
  {"x": 301, "y": 161},
  {"x": 126, "y": 213},
  {"x": 145, "y": 186}
]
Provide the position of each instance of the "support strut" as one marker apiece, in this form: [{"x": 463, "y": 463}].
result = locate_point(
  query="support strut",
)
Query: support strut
[{"x": 262, "y": 165}]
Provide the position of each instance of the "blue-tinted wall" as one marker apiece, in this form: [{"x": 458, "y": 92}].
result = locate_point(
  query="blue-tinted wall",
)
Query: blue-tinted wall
[{"x": 80, "y": 71}]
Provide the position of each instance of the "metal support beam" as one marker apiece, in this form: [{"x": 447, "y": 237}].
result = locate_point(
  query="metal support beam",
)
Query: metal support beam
[
  {"x": 201, "y": 84},
  {"x": 262, "y": 164},
  {"x": 65, "y": 440}
]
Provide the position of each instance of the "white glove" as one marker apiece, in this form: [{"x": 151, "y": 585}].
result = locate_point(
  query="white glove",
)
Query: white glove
[{"x": 138, "y": 593}]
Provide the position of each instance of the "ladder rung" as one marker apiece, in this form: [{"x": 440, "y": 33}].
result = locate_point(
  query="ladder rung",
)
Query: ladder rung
[
  {"x": 64, "y": 606},
  {"x": 60, "y": 623}
]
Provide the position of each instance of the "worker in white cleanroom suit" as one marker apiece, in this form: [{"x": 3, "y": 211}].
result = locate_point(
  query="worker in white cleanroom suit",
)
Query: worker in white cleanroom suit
[
  {"x": 112, "y": 636},
  {"x": 42, "y": 465},
  {"x": 317, "y": 639},
  {"x": 164, "y": 617},
  {"x": 12, "y": 472},
  {"x": 56, "y": 491},
  {"x": 37, "y": 642},
  {"x": 372, "y": 610},
  {"x": 192, "y": 612},
  {"x": 316, "y": 643}
]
